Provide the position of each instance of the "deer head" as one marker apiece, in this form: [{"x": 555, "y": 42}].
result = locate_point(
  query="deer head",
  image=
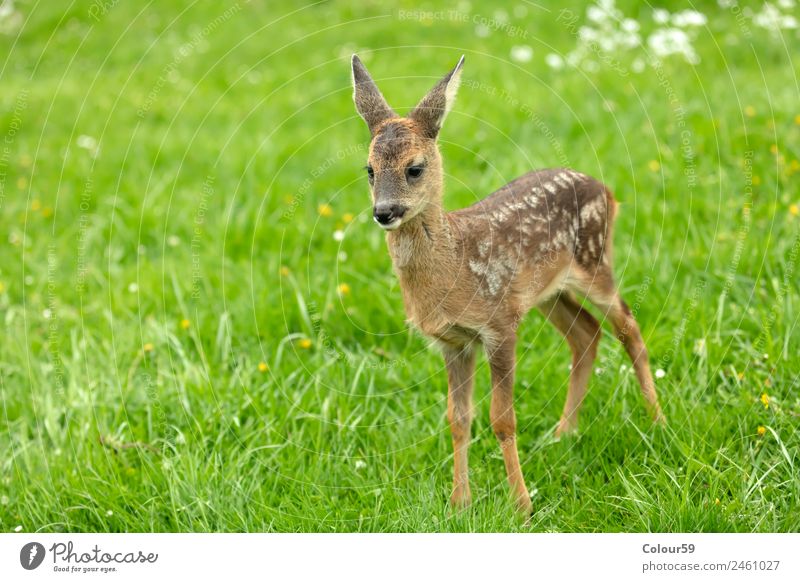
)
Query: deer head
[{"x": 404, "y": 165}]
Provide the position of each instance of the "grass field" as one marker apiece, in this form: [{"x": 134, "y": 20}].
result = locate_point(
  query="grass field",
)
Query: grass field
[{"x": 201, "y": 327}]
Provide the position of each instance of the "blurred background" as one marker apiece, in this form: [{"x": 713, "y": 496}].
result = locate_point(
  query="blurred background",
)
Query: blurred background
[{"x": 202, "y": 328}]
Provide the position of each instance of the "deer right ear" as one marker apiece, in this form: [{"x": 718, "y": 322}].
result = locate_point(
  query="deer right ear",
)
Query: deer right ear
[{"x": 369, "y": 102}]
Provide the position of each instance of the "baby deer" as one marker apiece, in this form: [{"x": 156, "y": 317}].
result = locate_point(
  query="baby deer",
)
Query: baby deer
[{"x": 470, "y": 276}]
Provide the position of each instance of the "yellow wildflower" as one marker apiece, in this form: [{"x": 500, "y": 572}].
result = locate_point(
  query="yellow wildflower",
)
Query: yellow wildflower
[
  {"x": 2, "y": 286},
  {"x": 750, "y": 111},
  {"x": 344, "y": 289},
  {"x": 185, "y": 324},
  {"x": 797, "y": 119},
  {"x": 773, "y": 149},
  {"x": 285, "y": 271},
  {"x": 325, "y": 210},
  {"x": 262, "y": 367},
  {"x": 304, "y": 343},
  {"x": 347, "y": 217},
  {"x": 756, "y": 180},
  {"x": 654, "y": 165},
  {"x": 148, "y": 347},
  {"x": 762, "y": 430},
  {"x": 794, "y": 210},
  {"x": 716, "y": 501},
  {"x": 765, "y": 400},
  {"x": 47, "y": 212},
  {"x": 35, "y": 204}
]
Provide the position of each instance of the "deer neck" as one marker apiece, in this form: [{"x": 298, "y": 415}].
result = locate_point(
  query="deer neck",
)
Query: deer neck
[{"x": 421, "y": 247}]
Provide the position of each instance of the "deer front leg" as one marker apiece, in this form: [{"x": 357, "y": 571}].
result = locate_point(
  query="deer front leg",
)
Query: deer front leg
[
  {"x": 502, "y": 360},
  {"x": 460, "y": 364}
]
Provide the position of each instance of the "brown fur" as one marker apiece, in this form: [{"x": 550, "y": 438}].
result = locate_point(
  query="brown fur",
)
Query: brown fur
[{"x": 469, "y": 276}]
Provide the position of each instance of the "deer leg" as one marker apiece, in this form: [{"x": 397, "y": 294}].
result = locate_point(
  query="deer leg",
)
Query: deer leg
[
  {"x": 460, "y": 364},
  {"x": 504, "y": 423},
  {"x": 582, "y": 333},
  {"x": 627, "y": 331}
]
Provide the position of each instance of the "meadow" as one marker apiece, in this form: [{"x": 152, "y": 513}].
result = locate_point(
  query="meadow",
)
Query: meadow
[{"x": 201, "y": 326}]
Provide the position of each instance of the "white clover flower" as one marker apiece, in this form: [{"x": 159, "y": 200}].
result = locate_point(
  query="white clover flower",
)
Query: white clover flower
[
  {"x": 660, "y": 373},
  {"x": 554, "y": 61},
  {"x": 359, "y": 464},
  {"x": 338, "y": 235},
  {"x": 521, "y": 53}
]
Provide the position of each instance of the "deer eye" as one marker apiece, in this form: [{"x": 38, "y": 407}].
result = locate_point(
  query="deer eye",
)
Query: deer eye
[
  {"x": 370, "y": 173},
  {"x": 414, "y": 171}
]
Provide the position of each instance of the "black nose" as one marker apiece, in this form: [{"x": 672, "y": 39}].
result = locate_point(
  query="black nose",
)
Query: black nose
[{"x": 388, "y": 213}]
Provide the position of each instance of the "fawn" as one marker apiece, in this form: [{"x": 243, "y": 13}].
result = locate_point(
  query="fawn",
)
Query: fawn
[{"x": 469, "y": 276}]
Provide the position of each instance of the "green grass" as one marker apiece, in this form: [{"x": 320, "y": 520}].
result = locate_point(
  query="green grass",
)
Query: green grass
[{"x": 202, "y": 204}]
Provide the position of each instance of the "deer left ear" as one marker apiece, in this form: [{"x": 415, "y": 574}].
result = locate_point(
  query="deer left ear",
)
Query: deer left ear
[{"x": 434, "y": 107}]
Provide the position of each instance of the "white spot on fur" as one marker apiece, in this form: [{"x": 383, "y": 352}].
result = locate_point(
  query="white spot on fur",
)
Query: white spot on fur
[
  {"x": 594, "y": 210},
  {"x": 550, "y": 187},
  {"x": 495, "y": 273}
]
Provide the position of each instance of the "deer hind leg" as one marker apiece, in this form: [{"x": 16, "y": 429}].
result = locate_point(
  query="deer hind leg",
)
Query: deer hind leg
[
  {"x": 460, "y": 362},
  {"x": 602, "y": 292},
  {"x": 502, "y": 360},
  {"x": 582, "y": 333}
]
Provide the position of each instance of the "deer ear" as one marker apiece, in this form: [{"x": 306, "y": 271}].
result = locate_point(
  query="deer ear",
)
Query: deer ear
[
  {"x": 369, "y": 102},
  {"x": 431, "y": 111}
]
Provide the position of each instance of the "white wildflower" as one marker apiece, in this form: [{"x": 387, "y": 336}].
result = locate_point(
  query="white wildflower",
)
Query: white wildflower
[
  {"x": 521, "y": 53},
  {"x": 689, "y": 18},
  {"x": 660, "y": 373},
  {"x": 554, "y": 61},
  {"x": 359, "y": 464},
  {"x": 596, "y": 14},
  {"x": 630, "y": 25},
  {"x": 700, "y": 347},
  {"x": 86, "y": 142},
  {"x": 660, "y": 16},
  {"x": 672, "y": 41},
  {"x": 338, "y": 235}
]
